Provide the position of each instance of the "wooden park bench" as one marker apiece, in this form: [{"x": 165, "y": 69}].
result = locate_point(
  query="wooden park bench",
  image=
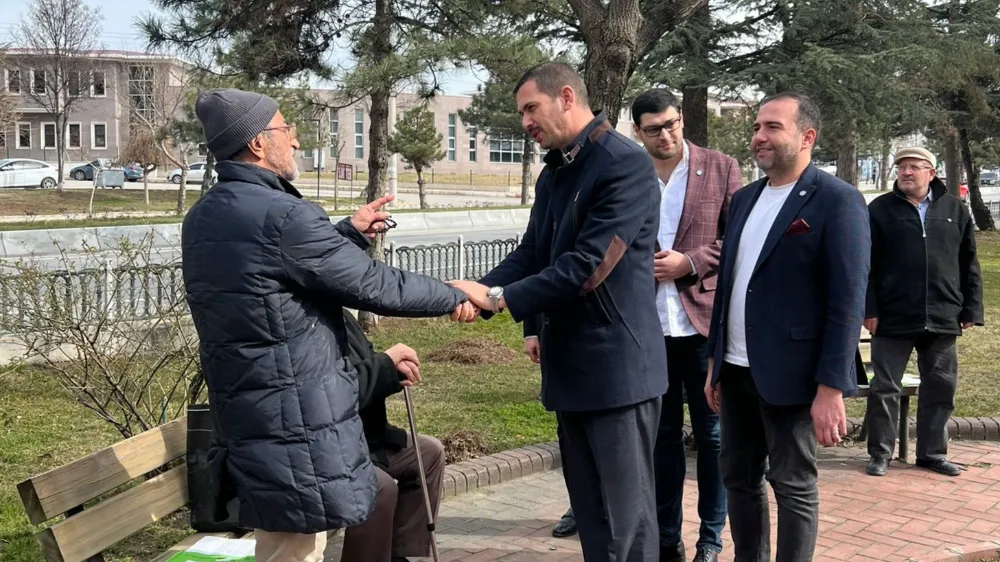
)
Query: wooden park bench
[
  {"x": 908, "y": 390},
  {"x": 90, "y": 526}
]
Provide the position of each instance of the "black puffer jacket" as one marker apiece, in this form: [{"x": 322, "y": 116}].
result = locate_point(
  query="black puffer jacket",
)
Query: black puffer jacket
[
  {"x": 267, "y": 275},
  {"x": 924, "y": 277}
]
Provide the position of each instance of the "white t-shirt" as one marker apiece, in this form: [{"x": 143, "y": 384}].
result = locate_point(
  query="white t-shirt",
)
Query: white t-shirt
[{"x": 755, "y": 231}]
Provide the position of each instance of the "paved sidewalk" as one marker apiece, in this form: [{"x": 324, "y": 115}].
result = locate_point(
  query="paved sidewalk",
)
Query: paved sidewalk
[{"x": 911, "y": 514}]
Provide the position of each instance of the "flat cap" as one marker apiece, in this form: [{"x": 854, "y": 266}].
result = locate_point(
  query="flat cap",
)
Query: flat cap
[{"x": 916, "y": 152}]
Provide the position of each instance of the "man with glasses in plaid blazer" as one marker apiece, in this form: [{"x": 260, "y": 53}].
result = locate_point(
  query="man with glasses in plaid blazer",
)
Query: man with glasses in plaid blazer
[{"x": 695, "y": 184}]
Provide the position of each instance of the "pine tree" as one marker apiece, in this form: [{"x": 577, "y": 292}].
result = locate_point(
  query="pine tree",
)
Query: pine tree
[{"x": 418, "y": 142}]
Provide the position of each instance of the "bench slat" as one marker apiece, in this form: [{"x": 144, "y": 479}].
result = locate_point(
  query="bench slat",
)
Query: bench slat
[
  {"x": 55, "y": 492},
  {"x": 95, "y": 529}
]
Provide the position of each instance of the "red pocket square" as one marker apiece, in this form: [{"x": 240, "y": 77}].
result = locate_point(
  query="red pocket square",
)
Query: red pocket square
[{"x": 798, "y": 227}]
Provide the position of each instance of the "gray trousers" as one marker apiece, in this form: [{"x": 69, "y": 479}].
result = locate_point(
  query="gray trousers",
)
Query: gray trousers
[
  {"x": 778, "y": 443},
  {"x": 937, "y": 363},
  {"x": 608, "y": 465}
]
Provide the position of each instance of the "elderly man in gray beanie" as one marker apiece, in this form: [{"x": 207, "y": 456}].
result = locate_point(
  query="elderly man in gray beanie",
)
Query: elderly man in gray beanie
[{"x": 267, "y": 276}]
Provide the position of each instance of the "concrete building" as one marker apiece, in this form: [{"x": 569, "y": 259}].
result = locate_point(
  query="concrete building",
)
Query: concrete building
[
  {"x": 467, "y": 150},
  {"x": 104, "y": 86}
]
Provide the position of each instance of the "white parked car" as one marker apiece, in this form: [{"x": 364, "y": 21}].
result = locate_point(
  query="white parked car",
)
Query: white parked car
[
  {"x": 24, "y": 172},
  {"x": 196, "y": 172}
]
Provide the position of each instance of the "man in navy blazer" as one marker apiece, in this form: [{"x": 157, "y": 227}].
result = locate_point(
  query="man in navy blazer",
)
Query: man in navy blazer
[
  {"x": 584, "y": 265},
  {"x": 785, "y": 326}
]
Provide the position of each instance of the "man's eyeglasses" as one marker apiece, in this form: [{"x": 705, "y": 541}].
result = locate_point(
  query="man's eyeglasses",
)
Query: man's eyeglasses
[
  {"x": 389, "y": 224},
  {"x": 653, "y": 131},
  {"x": 908, "y": 168},
  {"x": 289, "y": 127}
]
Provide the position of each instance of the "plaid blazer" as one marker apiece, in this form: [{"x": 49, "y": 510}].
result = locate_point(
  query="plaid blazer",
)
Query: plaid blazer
[{"x": 713, "y": 177}]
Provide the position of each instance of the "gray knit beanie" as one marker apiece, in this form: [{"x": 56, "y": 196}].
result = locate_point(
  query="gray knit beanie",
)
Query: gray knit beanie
[{"x": 231, "y": 118}]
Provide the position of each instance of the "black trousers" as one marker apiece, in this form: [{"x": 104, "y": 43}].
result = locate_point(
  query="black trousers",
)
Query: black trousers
[{"x": 937, "y": 363}]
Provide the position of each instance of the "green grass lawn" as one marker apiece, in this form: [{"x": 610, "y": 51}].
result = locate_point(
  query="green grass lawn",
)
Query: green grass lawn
[{"x": 41, "y": 427}]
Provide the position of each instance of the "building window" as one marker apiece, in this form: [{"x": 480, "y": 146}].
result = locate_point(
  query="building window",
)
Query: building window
[
  {"x": 3, "y": 139},
  {"x": 506, "y": 150},
  {"x": 73, "y": 140},
  {"x": 452, "y": 125},
  {"x": 98, "y": 86},
  {"x": 74, "y": 84},
  {"x": 99, "y": 135},
  {"x": 359, "y": 134},
  {"x": 140, "y": 90},
  {"x": 23, "y": 135},
  {"x": 472, "y": 143},
  {"x": 38, "y": 81},
  {"x": 14, "y": 82},
  {"x": 307, "y": 153},
  {"x": 48, "y": 135},
  {"x": 334, "y": 133}
]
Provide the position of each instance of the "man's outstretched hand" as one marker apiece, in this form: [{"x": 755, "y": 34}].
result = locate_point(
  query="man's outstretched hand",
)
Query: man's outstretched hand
[
  {"x": 370, "y": 219},
  {"x": 475, "y": 291}
]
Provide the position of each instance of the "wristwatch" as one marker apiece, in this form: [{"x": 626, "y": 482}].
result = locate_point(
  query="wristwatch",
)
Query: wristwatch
[{"x": 495, "y": 294}]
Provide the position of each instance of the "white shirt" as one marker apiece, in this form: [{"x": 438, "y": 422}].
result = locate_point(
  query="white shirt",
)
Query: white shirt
[
  {"x": 673, "y": 319},
  {"x": 758, "y": 225}
]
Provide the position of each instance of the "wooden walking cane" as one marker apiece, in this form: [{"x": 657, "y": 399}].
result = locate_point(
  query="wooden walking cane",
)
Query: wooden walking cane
[{"x": 423, "y": 476}]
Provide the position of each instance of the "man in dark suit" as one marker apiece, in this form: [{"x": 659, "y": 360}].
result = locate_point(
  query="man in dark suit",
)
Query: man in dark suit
[
  {"x": 584, "y": 264},
  {"x": 785, "y": 327},
  {"x": 695, "y": 185}
]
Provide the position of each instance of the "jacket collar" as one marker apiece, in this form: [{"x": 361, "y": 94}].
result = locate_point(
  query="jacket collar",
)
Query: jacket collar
[
  {"x": 249, "y": 173},
  {"x": 937, "y": 189},
  {"x": 568, "y": 154}
]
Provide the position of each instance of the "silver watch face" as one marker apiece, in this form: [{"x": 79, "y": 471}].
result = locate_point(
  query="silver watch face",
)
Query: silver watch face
[{"x": 494, "y": 291}]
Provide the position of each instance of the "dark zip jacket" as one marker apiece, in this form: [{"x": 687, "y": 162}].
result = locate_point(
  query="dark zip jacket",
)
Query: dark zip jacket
[{"x": 924, "y": 277}]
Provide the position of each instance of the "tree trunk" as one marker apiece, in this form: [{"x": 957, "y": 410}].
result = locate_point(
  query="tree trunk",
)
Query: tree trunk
[
  {"x": 695, "y": 110},
  {"x": 206, "y": 181},
  {"x": 847, "y": 154},
  {"x": 182, "y": 188},
  {"x": 336, "y": 181},
  {"x": 980, "y": 212},
  {"x": 526, "y": 155},
  {"x": 611, "y": 60},
  {"x": 60, "y": 119},
  {"x": 378, "y": 133},
  {"x": 952, "y": 166},
  {"x": 145, "y": 184},
  {"x": 884, "y": 164},
  {"x": 420, "y": 187}
]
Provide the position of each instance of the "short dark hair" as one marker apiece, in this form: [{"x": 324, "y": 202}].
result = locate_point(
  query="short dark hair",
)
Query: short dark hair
[
  {"x": 552, "y": 77},
  {"x": 656, "y": 100},
  {"x": 808, "y": 115}
]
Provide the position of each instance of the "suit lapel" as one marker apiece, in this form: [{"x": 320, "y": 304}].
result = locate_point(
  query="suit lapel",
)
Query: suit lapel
[
  {"x": 801, "y": 193},
  {"x": 734, "y": 232},
  {"x": 693, "y": 190}
]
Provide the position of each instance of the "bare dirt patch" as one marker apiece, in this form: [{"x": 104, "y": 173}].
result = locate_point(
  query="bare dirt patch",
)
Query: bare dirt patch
[
  {"x": 476, "y": 351},
  {"x": 462, "y": 445}
]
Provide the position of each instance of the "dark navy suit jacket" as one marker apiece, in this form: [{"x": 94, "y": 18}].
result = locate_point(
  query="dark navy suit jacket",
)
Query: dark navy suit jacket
[
  {"x": 584, "y": 269},
  {"x": 806, "y": 297}
]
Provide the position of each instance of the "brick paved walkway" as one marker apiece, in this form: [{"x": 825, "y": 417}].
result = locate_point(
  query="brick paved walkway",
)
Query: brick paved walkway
[{"x": 911, "y": 514}]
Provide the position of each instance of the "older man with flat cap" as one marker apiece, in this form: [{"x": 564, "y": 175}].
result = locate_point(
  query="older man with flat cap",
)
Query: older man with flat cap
[
  {"x": 924, "y": 289},
  {"x": 267, "y": 276}
]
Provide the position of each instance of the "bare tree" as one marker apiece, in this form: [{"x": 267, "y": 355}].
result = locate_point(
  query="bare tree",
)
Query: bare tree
[
  {"x": 8, "y": 109},
  {"x": 142, "y": 149},
  {"x": 337, "y": 144},
  {"x": 61, "y": 37},
  {"x": 117, "y": 335},
  {"x": 159, "y": 102}
]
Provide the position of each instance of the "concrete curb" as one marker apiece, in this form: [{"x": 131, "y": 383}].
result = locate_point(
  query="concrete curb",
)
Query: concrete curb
[
  {"x": 472, "y": 475},
  {"x": 967, "y": 553}
]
